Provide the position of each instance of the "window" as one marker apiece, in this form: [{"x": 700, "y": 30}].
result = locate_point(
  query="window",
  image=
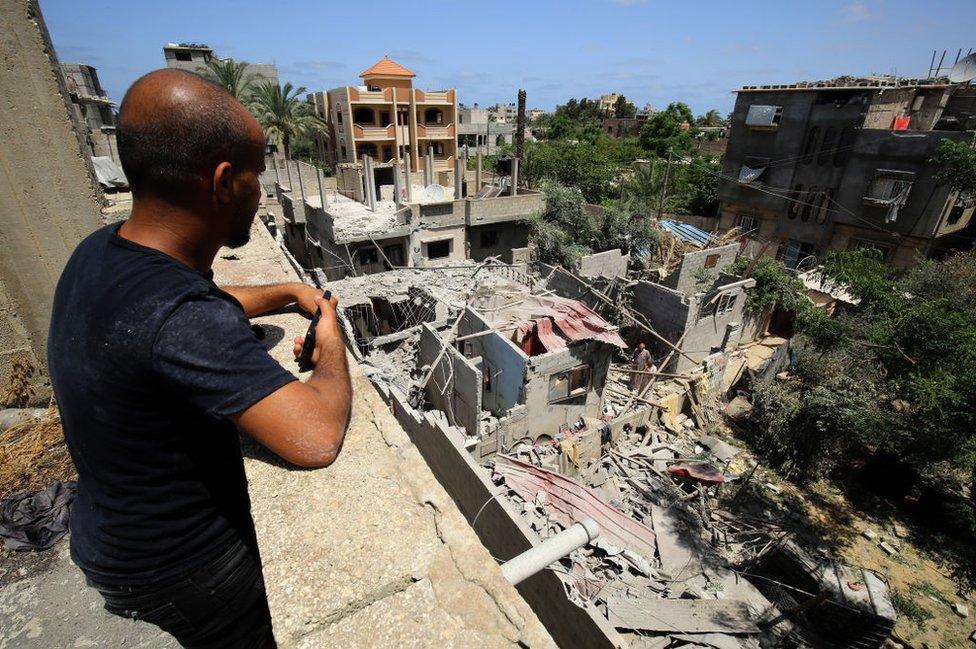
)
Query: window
[
  {"x": 809, "y": 204},
  {"x": 373, "y": 88},
  {"x": 844, "y": 145},
  {"x": 826, "y": 146},
  {"x": 726, "y": 302},
  {"x": 338, "y": 111},
  {"x": 821, "y": 214},
  {"x": 438, "y": 249},
  {"x": 711, "y": 261},
  {"x": 752, "y": 169},
  {"x": 889, "y": 187},
  {"x": 343, "y": 152},
  {"x": 883, "y": 249},
  {"x": 796, "y": 252},
  {"x": 183, "y": 56},
  {"x": 394, "y": 253},
  {"x": 489, "y": 238},
  {"x": 569, "y": 384},
  {"x": 384, "y": 118},
  {"x": 748, "y": 224},
  {"x": 813, "y": 135},
  {"x": 796, "y": 198},
  {"x": 764, "y": 116},
  {"x": 367, "y": 256},
  {"x": 433, "y": 116},
  {"x": 363, "y": 116}
]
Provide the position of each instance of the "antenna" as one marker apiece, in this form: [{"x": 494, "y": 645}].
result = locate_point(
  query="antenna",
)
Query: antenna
[{"x": 964, "y": 70}]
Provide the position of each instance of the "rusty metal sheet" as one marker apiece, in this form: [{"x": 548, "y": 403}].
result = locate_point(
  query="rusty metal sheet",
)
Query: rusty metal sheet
[{"x": 569, "y": 501}]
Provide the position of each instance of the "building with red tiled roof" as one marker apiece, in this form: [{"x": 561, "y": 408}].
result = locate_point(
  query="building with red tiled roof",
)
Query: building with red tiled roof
[{"x": 388, "y": 119}]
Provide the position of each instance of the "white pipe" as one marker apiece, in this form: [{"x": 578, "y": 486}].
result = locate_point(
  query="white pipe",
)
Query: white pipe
[{"x": 531, "y": 561}]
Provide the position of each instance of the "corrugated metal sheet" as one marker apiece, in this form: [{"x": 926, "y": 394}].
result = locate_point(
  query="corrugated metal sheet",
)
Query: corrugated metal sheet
[{"x": 689, "y": 233}]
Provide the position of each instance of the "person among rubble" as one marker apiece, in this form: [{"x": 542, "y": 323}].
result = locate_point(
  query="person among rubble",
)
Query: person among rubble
[
  {"x": 642, "y": 363},
  {"x": 155, "y": 367}
]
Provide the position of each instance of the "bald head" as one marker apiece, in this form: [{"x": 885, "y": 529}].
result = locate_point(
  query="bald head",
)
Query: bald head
[{"x": 175, "y": 127}]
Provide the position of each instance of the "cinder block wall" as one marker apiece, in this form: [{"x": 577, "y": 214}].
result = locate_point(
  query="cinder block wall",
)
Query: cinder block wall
[{"x": 49, "y": 200}]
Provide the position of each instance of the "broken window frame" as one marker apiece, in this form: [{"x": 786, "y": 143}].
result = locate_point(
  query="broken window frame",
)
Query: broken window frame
[
  {"x": 748, "y": 223},
  {"x": 889, "y": 187},
  {"x": 438, "y": 243},
  {"x": 579, "y": 376}
]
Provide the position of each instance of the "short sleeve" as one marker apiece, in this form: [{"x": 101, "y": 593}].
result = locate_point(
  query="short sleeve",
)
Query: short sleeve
[{"x": 206, "y": 352}]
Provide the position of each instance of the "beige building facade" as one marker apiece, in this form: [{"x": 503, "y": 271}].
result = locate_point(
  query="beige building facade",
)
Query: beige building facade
[{"x": 388, "y": 119}]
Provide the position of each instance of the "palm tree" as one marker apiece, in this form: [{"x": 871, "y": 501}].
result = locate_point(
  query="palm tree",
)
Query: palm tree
[
  {"x": 283, "y": 114},
  {"x": 229, "y": 75}
]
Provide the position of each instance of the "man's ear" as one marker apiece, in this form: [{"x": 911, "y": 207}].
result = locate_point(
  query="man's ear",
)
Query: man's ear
[{"x": 223, "y": 181}]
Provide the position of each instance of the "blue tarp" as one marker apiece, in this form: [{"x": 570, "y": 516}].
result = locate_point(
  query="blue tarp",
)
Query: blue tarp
[{"x": 688, "y": 233}]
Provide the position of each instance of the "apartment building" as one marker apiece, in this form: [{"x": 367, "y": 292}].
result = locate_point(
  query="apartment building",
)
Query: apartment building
[
  {"x": 193, "y": 56},
  {"x": 833, "y": 165},
  {"x": 478, "y": 132},
  {"x": 608, "y": 102},
  {"x": 93, "y": 110},
  {"x": 387, "y": 119}
]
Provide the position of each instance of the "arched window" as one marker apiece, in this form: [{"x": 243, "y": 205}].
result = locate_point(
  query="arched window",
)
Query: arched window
[
  {"x": 433, "y": 116},
  {"x": 821, "y": 214},
  {"x": 844, "y": 145},
  {"x": 811, "y": 144},
  {"x": 795, "y": 197},
  {"x": 810, "y": 204},
  {"x": 363, "y": 116},
  {"x": 826, "y": 146}
]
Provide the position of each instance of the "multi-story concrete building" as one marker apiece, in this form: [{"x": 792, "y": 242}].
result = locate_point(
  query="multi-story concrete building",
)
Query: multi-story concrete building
[
  {"x": 193, "y": 56},
  {"x": 832, "y": 165},
  {"x": 608, "y": 102},
  {"x": 92, "y": 108},
  {"x": 388, "y": 119},
  {"x": 476, "y": 131},
  {"x": 504, "y": 113}
]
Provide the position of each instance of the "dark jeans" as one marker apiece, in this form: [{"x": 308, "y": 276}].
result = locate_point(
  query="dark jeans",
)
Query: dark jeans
[{"x": 220, "y": 604}]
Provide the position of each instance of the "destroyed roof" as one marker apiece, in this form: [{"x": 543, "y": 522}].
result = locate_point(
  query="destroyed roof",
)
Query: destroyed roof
[
  {"x": 386, "y": 67},
  {"x": 884, "y": 81},
  {"x": 352, "y": 220},
  {"x": 535, "y": 316},
  {"x": 689, "y": 233}
]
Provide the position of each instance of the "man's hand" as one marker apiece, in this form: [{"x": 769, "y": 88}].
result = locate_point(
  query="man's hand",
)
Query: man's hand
[
  {"x": 305, "y": 423},
  {"x": 328, "y": 337},
  {"x": 305, "y": 297}
]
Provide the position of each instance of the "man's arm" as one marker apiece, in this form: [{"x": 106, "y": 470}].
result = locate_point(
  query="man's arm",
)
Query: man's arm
[
  {"x": 305, "y": 423},
  {"x": 262, "y": 299}
]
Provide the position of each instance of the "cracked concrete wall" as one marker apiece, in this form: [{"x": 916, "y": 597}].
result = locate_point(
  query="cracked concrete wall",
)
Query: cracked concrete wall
[
  {"x": 49, "y": 200},
  {"x": 455, "y": 384}
]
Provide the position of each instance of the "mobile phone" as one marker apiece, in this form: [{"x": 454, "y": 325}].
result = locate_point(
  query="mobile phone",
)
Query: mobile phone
[{"x": 305, "y": 358}]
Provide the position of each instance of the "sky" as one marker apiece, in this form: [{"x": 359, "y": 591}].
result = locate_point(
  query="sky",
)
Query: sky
[{"x": 696, "y": 51}]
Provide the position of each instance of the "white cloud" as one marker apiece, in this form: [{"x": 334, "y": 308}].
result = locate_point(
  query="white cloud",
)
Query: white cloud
[{"x": 855, "y": 12}]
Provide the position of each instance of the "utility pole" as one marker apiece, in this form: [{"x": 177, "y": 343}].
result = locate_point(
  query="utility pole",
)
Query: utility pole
[
  {"x": 664, "y": 190},
  {"x": 520, "y": 126}
]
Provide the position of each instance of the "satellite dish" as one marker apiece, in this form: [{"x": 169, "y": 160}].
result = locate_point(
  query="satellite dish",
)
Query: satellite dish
[
  {"x": 434, "y": 193},
  {"x": 964, "y": 70}
]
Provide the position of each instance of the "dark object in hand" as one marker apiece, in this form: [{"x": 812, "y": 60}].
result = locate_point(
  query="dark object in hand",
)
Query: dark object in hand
[{"x": 305, "y": 358}]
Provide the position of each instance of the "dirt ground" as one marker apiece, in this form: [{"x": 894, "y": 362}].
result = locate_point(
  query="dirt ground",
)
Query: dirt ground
[{"x": 920, "y": 583}]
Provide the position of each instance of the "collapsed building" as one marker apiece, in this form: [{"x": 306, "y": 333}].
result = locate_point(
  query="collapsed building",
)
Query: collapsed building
[
  {"x": 513, "y": 380},
  {"x": 378, "y": 218}
]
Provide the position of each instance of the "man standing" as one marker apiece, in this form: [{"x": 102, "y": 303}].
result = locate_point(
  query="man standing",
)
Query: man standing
[
  {"x": 642, "y": 363},
  {"x": 155, "y": 368}
]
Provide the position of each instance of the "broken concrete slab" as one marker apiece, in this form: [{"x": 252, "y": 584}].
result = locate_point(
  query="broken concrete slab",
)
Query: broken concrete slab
[
  {"x": 681, "y": 615},
  {"x": 960, "y": 609}
]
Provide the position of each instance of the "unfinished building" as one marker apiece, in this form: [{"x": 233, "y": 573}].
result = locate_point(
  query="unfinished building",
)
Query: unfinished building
[{"x": 378, "y": 219}]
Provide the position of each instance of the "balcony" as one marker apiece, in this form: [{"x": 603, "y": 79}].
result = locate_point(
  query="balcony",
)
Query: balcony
[
  {"x": 436, "y": 132},
  {"x": 368, "y": 133},
  {"x": 384, "y": 96},
  {"x": 434, "y": 97},
  {"x": 443, "y": 163}
]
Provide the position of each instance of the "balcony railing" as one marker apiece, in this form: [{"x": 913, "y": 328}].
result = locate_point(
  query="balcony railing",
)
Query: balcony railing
[
  {"x": 434, "y": 97},
  {"x": 435, "y": 132},
  {"x": 368, "y": 133},
  {"x": 384, "y": 96}
]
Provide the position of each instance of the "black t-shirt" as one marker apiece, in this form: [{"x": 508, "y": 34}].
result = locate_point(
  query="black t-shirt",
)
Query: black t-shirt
[{"x": 148, "y": 358}]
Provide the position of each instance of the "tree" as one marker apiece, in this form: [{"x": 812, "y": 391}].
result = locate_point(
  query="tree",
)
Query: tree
[
  {"x": 230, "y": 75},
  {"x": 711, "y": 118},
  {"x": 669, "y": 130},
  {"x": 957, "y": 167},
  {"x": 623, "y": 109},
  {"x": 282, "y": 114}
]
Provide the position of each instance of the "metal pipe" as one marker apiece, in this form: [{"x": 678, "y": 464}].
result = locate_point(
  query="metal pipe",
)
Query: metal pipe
[{"x": 534, "y": 560}]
